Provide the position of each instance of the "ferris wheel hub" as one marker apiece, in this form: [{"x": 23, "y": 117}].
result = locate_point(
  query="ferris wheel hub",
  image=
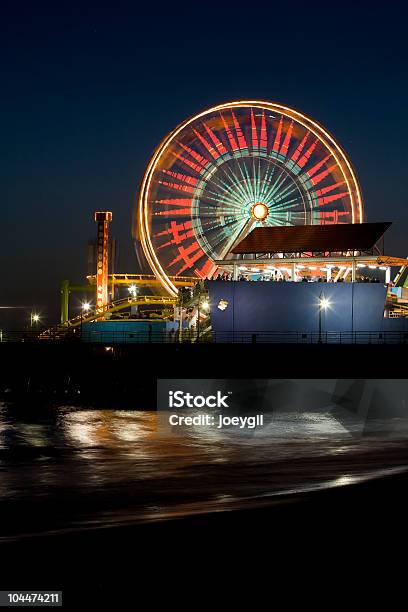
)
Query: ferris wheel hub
[{"x": 259, "y": 211}]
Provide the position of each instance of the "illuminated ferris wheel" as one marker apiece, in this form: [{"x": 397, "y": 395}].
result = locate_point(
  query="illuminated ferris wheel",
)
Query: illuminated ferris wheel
[{"x": 234, "y": 167}]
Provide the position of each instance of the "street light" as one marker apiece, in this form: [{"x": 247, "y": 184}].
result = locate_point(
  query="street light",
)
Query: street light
[
  {"x": 324, "y": 304},
  {"x": 132, "y": 290},
  {"x": 34, "y": 318},
  {"x": 85, "y": 307}
]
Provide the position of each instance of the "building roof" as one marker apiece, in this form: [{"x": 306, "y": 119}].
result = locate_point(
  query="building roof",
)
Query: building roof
[{"x": 312, "y": 238}]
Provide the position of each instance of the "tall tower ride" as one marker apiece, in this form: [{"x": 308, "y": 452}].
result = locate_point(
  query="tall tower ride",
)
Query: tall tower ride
[{"x": 103, "y": 219}]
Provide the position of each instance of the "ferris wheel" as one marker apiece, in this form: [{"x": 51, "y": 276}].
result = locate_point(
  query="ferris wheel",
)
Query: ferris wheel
[{"x": 234, "y": 167}]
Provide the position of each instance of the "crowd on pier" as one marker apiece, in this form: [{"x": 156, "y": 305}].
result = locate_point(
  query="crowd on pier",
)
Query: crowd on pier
[{"x": 282, "y": 278}]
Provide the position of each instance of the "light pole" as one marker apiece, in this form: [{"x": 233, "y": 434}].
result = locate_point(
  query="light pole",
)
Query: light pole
[
  {"x": 34, "y": 318},
  {"x": 205, "y": 306},
  {"x": 85, "y": 307},
  {"x": 323, "y": 306},
  {"x": 198, "y": 313},
  {"x": 133, "y": 295},
  {"x": 182, "y": 293}
]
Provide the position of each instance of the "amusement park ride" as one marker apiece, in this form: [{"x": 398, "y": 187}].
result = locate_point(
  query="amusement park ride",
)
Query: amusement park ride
[{"x": 215, "y": 180}]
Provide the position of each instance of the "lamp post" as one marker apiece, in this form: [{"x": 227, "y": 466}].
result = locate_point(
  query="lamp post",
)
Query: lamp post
[
  {"x": 34, "y": 318},
  {"x": 198, "y": 313},
  {"x": 85, "y": 307},
  {"x": 204, "y": 306},
  {"x": 323, "y": 306}
]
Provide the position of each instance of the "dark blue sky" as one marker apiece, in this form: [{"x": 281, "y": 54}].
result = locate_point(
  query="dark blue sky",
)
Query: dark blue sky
[{"x": 89, "y": 91}]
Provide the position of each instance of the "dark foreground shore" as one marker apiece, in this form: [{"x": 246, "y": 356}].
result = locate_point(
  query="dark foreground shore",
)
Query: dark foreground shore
[
  {"x": 338, "y": 538},
  {"x": 62, "y": 459},
  {"x": 127, "y": 375}
]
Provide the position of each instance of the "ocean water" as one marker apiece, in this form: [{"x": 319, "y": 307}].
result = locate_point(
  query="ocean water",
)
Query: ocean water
[{"x": 69, "y": 469}]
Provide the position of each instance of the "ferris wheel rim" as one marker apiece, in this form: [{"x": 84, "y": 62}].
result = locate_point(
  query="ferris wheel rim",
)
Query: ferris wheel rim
[{"x": 313, "y": 126}]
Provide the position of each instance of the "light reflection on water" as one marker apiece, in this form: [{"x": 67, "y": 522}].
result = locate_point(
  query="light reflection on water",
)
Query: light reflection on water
[{"x": 86, "y": 468}]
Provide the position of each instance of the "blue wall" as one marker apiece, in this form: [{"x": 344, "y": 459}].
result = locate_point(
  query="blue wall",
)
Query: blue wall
[{"x": 286, "y": 306}]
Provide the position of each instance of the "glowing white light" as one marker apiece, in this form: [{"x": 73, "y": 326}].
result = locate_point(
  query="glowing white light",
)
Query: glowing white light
[
  {"x": 86, "y": 306},
  {"x": 324, "y": 303},
  {"x": 259, "y": 211}
]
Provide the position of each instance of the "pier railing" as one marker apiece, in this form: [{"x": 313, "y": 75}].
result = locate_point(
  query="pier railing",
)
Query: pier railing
[{"x": 109, "y": 338}]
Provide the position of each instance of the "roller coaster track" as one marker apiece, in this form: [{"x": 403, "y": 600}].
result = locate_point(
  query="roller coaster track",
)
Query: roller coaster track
[
  {"x": 143, "y": 280},
  {"x": 118, "y": 305}
]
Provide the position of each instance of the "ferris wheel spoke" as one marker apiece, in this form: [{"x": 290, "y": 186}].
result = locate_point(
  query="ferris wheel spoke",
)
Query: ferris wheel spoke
[
  {"x": 224, "y": 239},
  {"x": 322, "y": 201},
  {"x": 249, "y": 183},
  {"x": 292, "y": 209},
  {"x": 277, "y": 184},
  {"x": 184, "y": 178},
  {"x": 220, "y": 199},
  {"x": 227, "y": 187},
  {"x": 237, "y": 184},
  {"x": 257, "y": 175},
  {"x": 322, "y": 175},
  {"x": 286, "y": 143},
  {"x": 280, "y": 222},
  {"x": 266, "y": 183},
  {"x": 276, "y": 143},
  {"x": 324, "y": 190},
  {"x": 282, "y": 195},
  {"x": 286, "y": 205},
  {"x": 281, "y": 177},
  {"x": 231, "y": 194},
  {"x": 227, "y": 198},
  {"x": 218, "y": 144},
  {"x": 312, "y": 171}
]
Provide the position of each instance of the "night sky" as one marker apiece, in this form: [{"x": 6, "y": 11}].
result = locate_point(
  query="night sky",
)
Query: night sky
[{"x": 88, "y": 91}]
